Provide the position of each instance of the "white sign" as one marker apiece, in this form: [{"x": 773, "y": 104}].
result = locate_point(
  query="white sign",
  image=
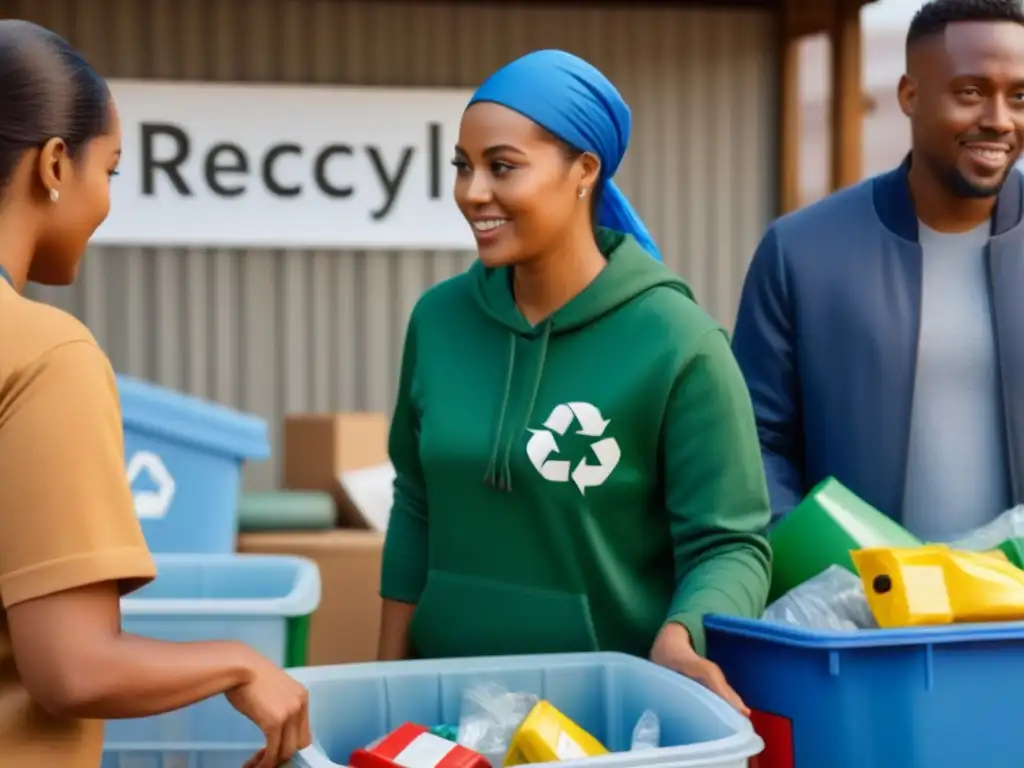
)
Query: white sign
[{"x": 236, "y": 165}]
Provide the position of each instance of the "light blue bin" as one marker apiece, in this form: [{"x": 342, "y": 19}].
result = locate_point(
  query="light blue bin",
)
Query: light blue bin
[
  {"x": 184, "y": 461},
  {"x": 353, "y": 705},
  {"x": 261, "y": 600}
]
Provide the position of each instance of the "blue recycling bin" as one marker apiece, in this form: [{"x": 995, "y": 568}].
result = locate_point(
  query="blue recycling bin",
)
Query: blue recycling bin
[
  {"x": 352, "y": 705},
  {"x": 184, "y": 459},
  {"x": 264, "y": 601},
  {"x": 922, "y": 697}
]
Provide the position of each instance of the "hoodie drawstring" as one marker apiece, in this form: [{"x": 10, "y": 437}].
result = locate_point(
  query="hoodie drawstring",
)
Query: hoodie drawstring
[
  {"x": 501, "y": 477},
  {"x": 490, "y": 476}
]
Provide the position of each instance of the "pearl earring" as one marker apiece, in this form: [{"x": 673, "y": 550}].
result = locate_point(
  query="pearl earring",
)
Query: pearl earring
[
  {"x": 583, "y": 193},
  {"x": 54, "y": 195}
]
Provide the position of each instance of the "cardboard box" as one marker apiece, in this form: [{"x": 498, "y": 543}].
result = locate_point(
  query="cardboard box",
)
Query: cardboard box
[
  {"x": 346, "y": 626},
  {"x": 319, "y": 447}
]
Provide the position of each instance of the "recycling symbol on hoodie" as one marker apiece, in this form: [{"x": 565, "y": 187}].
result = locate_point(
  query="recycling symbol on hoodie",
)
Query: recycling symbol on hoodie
[{"x": 543, "y": 443}]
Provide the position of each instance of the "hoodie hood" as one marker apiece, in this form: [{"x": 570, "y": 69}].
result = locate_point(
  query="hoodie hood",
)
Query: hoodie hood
[{"x": 631, "y": 272}]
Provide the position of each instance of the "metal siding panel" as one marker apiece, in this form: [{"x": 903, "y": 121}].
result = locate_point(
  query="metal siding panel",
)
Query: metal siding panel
[{"x": 279, "y": 331}]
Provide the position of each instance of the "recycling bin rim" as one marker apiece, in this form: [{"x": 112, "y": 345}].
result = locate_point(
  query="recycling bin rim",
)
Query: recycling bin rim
[
  {"x": 783, "y": 634},
  {"x": 302, "y": 599},
  {"x": 485, "y": 664},
  {"x": 148, "y": 408}
]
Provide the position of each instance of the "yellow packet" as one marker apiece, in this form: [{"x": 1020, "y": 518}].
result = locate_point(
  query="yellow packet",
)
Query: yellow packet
[{"x": 546, "y": 736}]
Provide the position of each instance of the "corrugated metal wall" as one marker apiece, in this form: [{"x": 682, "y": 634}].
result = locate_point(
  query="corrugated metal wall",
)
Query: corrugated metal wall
[{"x": 279, "y": 331}]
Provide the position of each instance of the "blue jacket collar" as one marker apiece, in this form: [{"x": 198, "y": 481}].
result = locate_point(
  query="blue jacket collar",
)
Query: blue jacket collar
[{"x": 896, "y": 209}]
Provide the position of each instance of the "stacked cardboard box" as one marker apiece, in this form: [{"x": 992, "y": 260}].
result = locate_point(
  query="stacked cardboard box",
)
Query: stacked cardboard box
[{"x": 318, "y": 449}]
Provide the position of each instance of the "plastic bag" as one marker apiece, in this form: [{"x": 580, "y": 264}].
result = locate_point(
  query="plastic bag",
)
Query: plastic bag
[
  {"x": 1009, "y": 525},
  {"x": 490, "y": 717},
  {"x": 647, "y": 733},
  {"x": 832, "y": 600}
]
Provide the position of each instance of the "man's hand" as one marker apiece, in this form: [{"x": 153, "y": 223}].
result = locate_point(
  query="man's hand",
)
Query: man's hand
[
  {"x": 279, "y": 706},
  {"x": 673, "y": 649}
]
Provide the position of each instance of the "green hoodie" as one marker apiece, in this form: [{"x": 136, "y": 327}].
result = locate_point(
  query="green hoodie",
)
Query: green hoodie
[{"x": 575, "y": 485}]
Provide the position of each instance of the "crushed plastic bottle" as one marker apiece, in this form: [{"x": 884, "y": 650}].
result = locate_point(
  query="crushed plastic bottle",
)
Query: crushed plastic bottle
[{"x": 832, "y": 600}]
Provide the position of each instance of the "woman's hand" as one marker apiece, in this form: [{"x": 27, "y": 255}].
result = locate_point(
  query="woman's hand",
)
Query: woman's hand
[{"x": 673, "y": 649}]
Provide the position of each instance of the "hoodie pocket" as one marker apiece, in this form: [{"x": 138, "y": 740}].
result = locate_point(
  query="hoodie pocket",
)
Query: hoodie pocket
[{"x": 468, "y": 616}]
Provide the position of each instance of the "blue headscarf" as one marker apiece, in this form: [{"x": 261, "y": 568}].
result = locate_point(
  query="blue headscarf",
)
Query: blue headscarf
[{"x": 572, "y": 100}]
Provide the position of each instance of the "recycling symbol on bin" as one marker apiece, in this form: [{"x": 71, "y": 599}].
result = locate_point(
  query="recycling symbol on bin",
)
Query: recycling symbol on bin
[
  {"x": 150, "y": 503},
  {"x": 543, "y": 443}
]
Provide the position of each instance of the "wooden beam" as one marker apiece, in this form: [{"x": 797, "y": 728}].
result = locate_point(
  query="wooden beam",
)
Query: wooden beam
[
  {"x": 811, "y": 17},
  {"x": 847, "y": 107},
  {"x": 789, "y": 128}
]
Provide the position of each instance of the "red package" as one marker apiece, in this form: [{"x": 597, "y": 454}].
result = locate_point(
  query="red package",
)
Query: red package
[{"x": 413, "y": 746}]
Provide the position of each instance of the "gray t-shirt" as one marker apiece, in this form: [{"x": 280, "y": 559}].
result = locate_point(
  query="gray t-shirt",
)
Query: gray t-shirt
[{"x": 957, "y": 476}]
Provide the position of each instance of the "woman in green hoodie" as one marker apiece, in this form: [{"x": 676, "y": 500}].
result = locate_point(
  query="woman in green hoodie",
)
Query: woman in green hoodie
[{"x": 623, "y": 495}]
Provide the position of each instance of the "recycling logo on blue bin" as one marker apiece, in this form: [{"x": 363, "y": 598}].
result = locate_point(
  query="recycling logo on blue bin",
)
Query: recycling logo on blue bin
[
  {"x": 543, "y": 443},
  {"x": 152, "y": 485}
]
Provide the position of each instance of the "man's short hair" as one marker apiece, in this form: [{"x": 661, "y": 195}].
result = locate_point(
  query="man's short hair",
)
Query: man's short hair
[{"x": 933, "y": 17}]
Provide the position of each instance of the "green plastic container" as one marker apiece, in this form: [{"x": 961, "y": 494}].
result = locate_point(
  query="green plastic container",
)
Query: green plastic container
[
  {"x": 822, "y": 531},
  {"x": 1014, "y": 551},
  {"x": 296, "y": 648},
  {"x": 286, "y": 511}
]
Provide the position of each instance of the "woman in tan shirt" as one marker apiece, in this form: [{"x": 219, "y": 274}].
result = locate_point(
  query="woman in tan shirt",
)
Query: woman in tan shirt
[{"x": 70, "y": 544}]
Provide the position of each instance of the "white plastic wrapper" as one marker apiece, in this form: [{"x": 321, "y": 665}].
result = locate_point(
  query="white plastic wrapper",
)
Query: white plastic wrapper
[
  {"x": 647, "y": 733},
  {"x": 1009, "y": 525},
  {"x": 832, "y": 600},
  {"x": 490, "y": 717}
]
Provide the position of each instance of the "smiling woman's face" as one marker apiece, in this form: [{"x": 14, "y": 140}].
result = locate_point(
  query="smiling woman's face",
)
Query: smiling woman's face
[{"x": 516, "y": 186}]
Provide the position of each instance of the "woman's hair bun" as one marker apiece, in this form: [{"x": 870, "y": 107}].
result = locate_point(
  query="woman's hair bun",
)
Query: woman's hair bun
[{"x": 47, "y": 90}]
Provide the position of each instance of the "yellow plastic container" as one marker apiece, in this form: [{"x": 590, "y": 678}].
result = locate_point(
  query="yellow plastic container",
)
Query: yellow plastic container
[
  {"x": 546, "y": 736},
  {"x": 933, "y": 584}
]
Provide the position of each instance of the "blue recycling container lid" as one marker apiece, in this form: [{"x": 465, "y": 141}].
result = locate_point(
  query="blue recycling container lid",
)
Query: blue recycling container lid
[{"x": 183, "y": 418}]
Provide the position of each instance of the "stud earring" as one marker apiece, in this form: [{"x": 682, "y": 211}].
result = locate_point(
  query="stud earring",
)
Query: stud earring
[
  {"x": 54, "y": 195},
  {"x": 583, "y": 193}
]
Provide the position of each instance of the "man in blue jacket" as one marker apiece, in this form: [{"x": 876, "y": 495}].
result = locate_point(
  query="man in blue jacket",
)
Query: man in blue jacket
[{"x": 881, "y": 330}]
